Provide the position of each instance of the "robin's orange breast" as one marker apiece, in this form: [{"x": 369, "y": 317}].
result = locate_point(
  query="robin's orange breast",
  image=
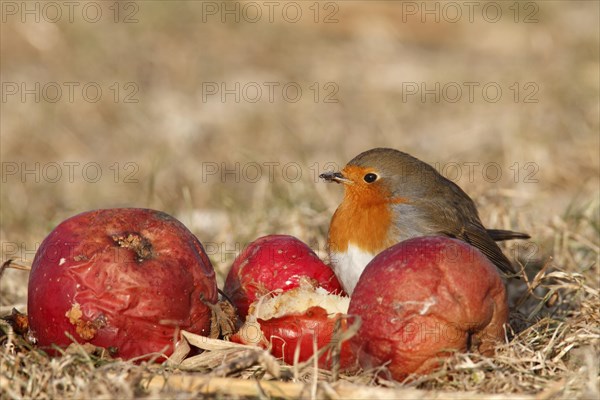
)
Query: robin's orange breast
[
  {"x": 356, "y": 236},
  {"x": 365, "y": 217},
  {"x": 362, "y": 226},
  {"x": 365, "y": 228}
]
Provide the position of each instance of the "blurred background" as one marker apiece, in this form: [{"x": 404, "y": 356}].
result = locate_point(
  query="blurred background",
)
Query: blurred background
[{"x": 224, "y": 113}]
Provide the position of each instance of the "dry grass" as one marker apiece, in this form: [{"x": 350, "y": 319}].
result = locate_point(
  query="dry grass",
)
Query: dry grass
[
  {"x": 553, "y": 348},
  {"x": 554, "y": 355}
]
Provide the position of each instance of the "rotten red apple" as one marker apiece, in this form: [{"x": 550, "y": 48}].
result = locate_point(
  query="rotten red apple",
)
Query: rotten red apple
[
  {"x": 125, "y": 279},
  {"x": 424, "y": 298},
  {"x": 275, "y": 263}
]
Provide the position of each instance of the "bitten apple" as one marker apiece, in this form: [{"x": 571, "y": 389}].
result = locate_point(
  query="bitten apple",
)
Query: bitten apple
[
  {"x": 290, "y": 300},
  {"x": 275, "y": 263}
]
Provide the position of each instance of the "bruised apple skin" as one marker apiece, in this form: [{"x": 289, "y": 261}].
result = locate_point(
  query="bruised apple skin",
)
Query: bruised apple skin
[
  {"x": 275, "y": 263},
  {"x": 424, "y": 298},
  {"x": 125, "y": 279},
  {"x": 295, "y": 320}
]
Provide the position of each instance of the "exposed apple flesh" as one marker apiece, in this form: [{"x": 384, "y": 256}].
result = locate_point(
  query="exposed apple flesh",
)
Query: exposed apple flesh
[{"x": 294, "y": 323}]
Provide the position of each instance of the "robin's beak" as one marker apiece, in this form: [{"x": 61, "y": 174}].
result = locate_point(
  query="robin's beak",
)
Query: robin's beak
[{"x": 336, "y": 177}]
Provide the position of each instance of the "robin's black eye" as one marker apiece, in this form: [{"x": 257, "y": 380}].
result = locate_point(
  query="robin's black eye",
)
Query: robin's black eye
[{"x": 370, "y": 178}]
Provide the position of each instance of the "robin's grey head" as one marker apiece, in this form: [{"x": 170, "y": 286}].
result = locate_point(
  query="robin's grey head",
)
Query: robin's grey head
[{"x": 385, "y": 173}]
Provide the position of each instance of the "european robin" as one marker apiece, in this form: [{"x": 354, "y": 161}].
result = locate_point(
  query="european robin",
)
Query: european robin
[{"x": 390, "y": 196}]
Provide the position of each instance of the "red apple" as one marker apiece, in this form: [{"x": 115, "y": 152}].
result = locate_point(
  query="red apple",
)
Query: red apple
[
  {"x": 424, "y": 298},
  {"x": 275, "y": 263},
  {"x": 296, "y": 321},
  {"x": 124, "y": 279},
  {"x": 290, "y": 298}
]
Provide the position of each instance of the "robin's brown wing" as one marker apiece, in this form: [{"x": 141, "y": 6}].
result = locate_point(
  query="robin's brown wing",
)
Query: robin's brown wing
[
  {"x": 468, "y": 227},
  {"x": 434, "y": 219},
  {"x": 478, "y": 236},
  {"x": 438, "y": 206},
  {"x": 460, "y": 220}
]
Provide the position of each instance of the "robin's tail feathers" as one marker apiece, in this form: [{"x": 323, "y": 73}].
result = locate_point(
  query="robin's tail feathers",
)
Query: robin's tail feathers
[{"x": 500, "y": 234}]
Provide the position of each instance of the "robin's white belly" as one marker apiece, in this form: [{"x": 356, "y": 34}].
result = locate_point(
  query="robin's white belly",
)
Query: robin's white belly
[{"x": 349, "y": 265}]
